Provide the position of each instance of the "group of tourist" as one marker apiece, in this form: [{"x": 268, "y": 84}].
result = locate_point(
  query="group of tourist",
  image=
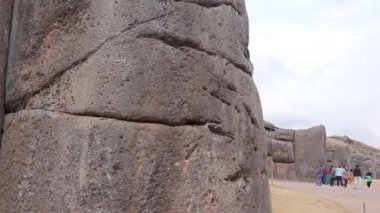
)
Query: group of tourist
[{"x": 342, "y": 176}]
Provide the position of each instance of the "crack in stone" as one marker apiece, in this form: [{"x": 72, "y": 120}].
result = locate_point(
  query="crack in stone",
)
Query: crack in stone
[
  {"x": 8, "y": 126},
  {"x": 191, "y": 151},
  {"x": 235, "y": 176},
  {"x": 142, "y": 121},
  {"x": 179, "y": 43},
  {"x": 231, "y": 87},
  {"x": 250, "y": 114},
  {"x": 25, "y": 99},
  {"x": 210, "y": 4}
]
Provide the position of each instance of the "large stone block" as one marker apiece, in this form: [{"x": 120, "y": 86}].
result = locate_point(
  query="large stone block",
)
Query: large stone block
[
  {"x": 282, "y": 152},
  {"x": 5, "y": 28},
  {"x": 138, "y": 105},
  {"x": 54, "y": 162},
  {"x": 50, "y": 40},
  {"x": 284, "y": 135},
  {"x": 309, "y": 146}
]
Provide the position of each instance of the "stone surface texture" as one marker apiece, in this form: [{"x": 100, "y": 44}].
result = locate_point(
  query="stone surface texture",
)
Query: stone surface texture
[
  {"x": 282, "y": 152},
  {"x": 132, "y": 106},
  {"x": 284, "y": 171},
  {"x": 5, "y": 29},
  {"x": 285, "y": 135}
]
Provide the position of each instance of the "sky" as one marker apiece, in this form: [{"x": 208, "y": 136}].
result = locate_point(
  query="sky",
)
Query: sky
[{"x": 318, "y": 62}]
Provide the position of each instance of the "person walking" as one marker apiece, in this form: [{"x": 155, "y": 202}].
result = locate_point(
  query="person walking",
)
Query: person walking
[
  {"x": 346, "y": 174},
  {"x": 319, "y": 175},
  {"x": 368, "y": 178},
  {"x": 351, "y": 177},
  {"x": 338, "y": 175},
  {"x": 332, "y": 175},
  {"x": 357, "y": 176},
  {"x": 325, "y": 173}
]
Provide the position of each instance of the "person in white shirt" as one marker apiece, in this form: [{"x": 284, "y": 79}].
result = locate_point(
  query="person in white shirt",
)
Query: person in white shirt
[{"x": 338, "y": 175}]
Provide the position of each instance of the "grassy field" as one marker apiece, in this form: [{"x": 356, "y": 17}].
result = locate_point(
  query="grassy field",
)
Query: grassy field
[{"x": 292, "y": 201}]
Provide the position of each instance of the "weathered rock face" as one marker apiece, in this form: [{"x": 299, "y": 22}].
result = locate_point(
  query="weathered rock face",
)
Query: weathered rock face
[
  {"x": 132, "y": 106},
  {"x": 5, "y": 28}
]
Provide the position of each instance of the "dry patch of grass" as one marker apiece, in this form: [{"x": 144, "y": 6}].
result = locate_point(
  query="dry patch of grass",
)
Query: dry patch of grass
[
  {"x": 292, "y": 201},
  {"x": 332, "y": 142}
]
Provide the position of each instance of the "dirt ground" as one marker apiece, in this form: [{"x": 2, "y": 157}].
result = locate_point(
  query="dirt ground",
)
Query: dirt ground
[{"x": 294, "y": 197}]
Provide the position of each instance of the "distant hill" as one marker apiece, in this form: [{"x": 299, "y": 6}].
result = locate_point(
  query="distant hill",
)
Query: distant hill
[{"x": 366, "y": 156}]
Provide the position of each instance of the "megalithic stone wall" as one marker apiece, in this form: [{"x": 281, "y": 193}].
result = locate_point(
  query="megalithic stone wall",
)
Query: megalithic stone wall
[
  {"x": 5, "y": 29},
  {"x": 295, "y": 154},
  {"x": 132, "y": 106}
]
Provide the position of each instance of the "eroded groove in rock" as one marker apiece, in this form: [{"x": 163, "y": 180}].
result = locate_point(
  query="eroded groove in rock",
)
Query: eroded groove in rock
[
  {"x": 215, "y": 95},
  {"x": 142, "y": 121},
  {"x": 250, "y": 114},
  {"x": 219, "y": 130},
  {"x": 212, "y": 4},
  {"x": 179, "y": 43},
  {"x": 191, "y": 151}
]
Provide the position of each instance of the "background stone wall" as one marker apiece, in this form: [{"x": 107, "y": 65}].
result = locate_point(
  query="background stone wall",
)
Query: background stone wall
[{"x": 296, "y": 154}]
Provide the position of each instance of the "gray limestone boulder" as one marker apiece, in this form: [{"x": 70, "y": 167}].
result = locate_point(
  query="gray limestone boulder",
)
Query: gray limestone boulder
[
  {"x": 309, "y": 146},
  {"x": 132, "y": 106}
]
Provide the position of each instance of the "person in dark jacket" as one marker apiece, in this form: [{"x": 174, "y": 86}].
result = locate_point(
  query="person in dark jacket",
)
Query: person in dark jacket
[
  {"x": 368, "y": 178},
  {"x": 357, "y": 176}
]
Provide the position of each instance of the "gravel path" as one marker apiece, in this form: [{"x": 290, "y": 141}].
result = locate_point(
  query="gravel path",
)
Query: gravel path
[{"x": 352, "y": 198}]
